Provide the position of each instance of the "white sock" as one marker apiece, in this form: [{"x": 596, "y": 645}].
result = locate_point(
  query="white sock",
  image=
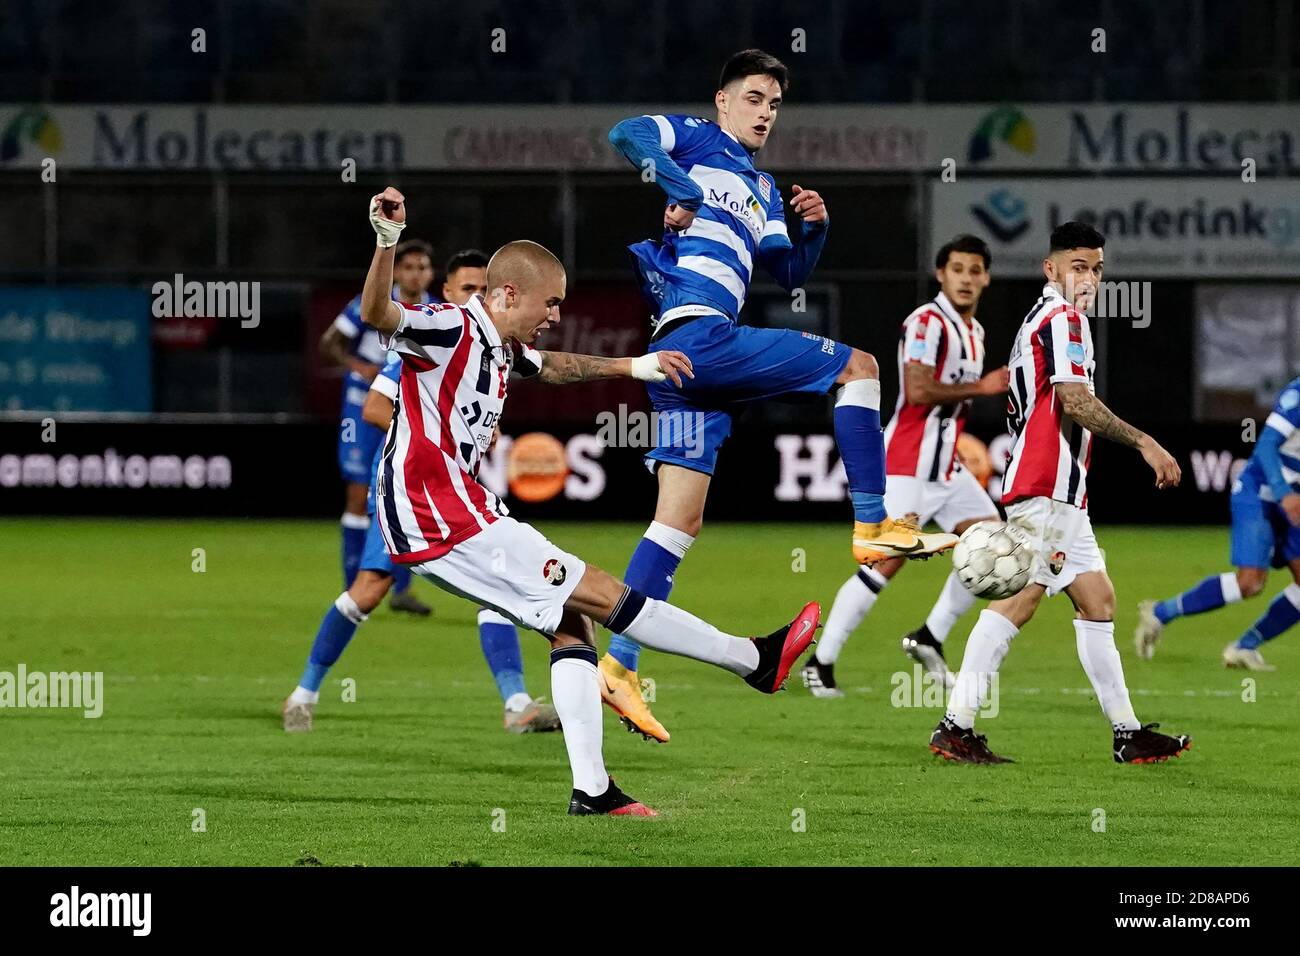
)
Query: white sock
[
  {"x": 675, "y": 542},
  {"x": 985, "y": 648},
  {"x": 576, "y": 695},
  {"x": 1096, "y": 643},
  {"x": 518, "y": 702},
  {"x": 854, "y": 600},
  {"x": 666, "y": 628},
  {"x": 954, "y": 601},
  {"x": 301, "y": 695},
  {"x": 349, "y": 608},
  {"x": 360, "y": 522},
  {"x": 1230, "y": 588},
  {"x": 863, "y": 392}
]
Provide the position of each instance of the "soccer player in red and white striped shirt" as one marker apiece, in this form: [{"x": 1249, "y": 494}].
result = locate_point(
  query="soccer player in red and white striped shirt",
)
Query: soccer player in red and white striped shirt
[
  {"x": 1053, "y": 415},
  {"x": 940, "y": 370},
  {"x": 439, "y": 519}
]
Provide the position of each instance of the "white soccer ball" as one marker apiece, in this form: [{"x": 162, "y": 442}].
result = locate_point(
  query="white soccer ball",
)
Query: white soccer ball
[{"x": 993, "y": 559}]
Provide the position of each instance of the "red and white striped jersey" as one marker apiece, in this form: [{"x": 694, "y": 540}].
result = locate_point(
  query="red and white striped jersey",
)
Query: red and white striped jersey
[
  {"x": 921, "y": 440},
  {"x": 450, "y": 396},
  {"x": 1050, "y": 453}
]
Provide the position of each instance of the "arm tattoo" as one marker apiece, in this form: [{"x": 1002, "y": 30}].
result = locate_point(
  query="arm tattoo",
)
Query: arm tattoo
[
  {"x": 560, "y": 368},
  {"x": 1089, "y": 411}
]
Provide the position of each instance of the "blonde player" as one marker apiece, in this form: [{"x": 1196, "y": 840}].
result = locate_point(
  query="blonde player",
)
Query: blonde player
[{"x": 437, "y": 518}]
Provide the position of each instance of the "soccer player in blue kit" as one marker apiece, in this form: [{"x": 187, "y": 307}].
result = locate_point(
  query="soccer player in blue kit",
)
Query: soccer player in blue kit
[
  {"x": 350, "y": 344},
  {"x": 1265, "y": 533},
  {"x": 722, "y": 218}
]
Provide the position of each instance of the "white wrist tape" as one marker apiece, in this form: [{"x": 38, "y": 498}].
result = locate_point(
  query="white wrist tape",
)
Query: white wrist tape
[
  {"x": 646, "y": 368},
  {"x": 387, "y": 232}
]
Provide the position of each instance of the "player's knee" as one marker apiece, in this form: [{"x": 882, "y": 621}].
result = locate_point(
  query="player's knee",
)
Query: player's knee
[
  {"x": 1099, "y": 606},
  {"x": 368, "y": 590},
  {"x": 680, "y": 516},
  {"x": 861, "y": 365},
  {"x": 688, "y": 524},
  {"x": 1019, "y": 609},
  {"x": 356, "y": 500},
  {"x": 1251, "y": 581}
]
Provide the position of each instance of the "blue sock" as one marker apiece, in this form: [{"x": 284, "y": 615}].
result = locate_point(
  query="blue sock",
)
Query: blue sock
[
  {"x": 1212, "y": 593},
  {"x": 354, "y": 543},
  {"x": 336, "y": 630},
  {"x": 500, "y": 642},
  {"x": 401, "y": 578},
  {"x": 1283, "y": 611},
  {"x": 651, "y": 570},
  {"x": 862, "y": 446}
]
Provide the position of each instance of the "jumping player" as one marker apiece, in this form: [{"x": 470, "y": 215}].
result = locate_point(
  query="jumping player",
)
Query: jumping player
[
  {"x": 1265, "y": 532},
  {"x": 723, "y": 218},
  {"x": 940, "y": 369},
  {"x": 437, "y": 518},
  {"x": 1053, "y": 414}
]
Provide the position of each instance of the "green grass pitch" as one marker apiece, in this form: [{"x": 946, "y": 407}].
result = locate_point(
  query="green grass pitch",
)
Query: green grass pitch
[{"x": 417, "y": 771}]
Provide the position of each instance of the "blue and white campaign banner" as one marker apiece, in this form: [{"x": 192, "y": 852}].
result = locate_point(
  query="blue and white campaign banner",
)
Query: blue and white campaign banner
[
  {"x": 75, "y": 349},
  {"x": 1148, "y": 138},
  {"x": 1192, "y": 227}
]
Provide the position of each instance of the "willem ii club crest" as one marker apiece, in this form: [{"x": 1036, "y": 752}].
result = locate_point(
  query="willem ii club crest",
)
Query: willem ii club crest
[{"x": 553, "y": 571}]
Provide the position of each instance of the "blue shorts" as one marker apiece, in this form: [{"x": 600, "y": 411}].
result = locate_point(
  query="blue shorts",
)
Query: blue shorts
[
  {"x": 733, "y": 364},
  {"x": 357, "y": 455},
  {"x": 375, "y": 556},
  {"x": 1262, "y": 536}
]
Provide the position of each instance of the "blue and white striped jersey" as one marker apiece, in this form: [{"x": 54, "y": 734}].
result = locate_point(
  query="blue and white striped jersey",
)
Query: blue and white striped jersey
[
  {"x": 739, "y": 221},
  {"x": 1275, "y": 465}
]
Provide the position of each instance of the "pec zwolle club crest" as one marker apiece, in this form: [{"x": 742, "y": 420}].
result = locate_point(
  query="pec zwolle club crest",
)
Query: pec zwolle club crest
[{"x": 554, "y": 572}]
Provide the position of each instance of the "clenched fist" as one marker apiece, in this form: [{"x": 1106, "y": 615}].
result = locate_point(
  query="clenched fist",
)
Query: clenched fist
[{"x": 388, "y": 216}]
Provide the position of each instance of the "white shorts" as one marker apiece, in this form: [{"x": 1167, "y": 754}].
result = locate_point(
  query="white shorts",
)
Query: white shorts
[
  {"x": 1062, "y": 536},
  {"x": 511, "y": 568},
  {"x": 947, "y": 503}
]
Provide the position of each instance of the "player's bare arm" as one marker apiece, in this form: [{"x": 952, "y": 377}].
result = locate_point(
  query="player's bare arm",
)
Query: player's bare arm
[
  {"x": 922, "y": 389},
  {"x": 1090, "y": 412},
  {"x": 334, "y": 346},
  {"x": 563, "y": 368},
  {"x": 378, "y": 410},
  {"x": 388, "y": 218}
]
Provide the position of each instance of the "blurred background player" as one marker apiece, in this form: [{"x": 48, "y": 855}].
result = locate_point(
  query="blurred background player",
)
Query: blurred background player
[
  {"x": 940, "y": 369},
  {"x": 497, "y": 635},
  {"x": 1053, "y": 414},
  {"x": 352, "y": 346},
  {"x": 1265, "y": 532},
  {"x": 723, "y": 217},
  {"x": 465, "y": 275}
]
